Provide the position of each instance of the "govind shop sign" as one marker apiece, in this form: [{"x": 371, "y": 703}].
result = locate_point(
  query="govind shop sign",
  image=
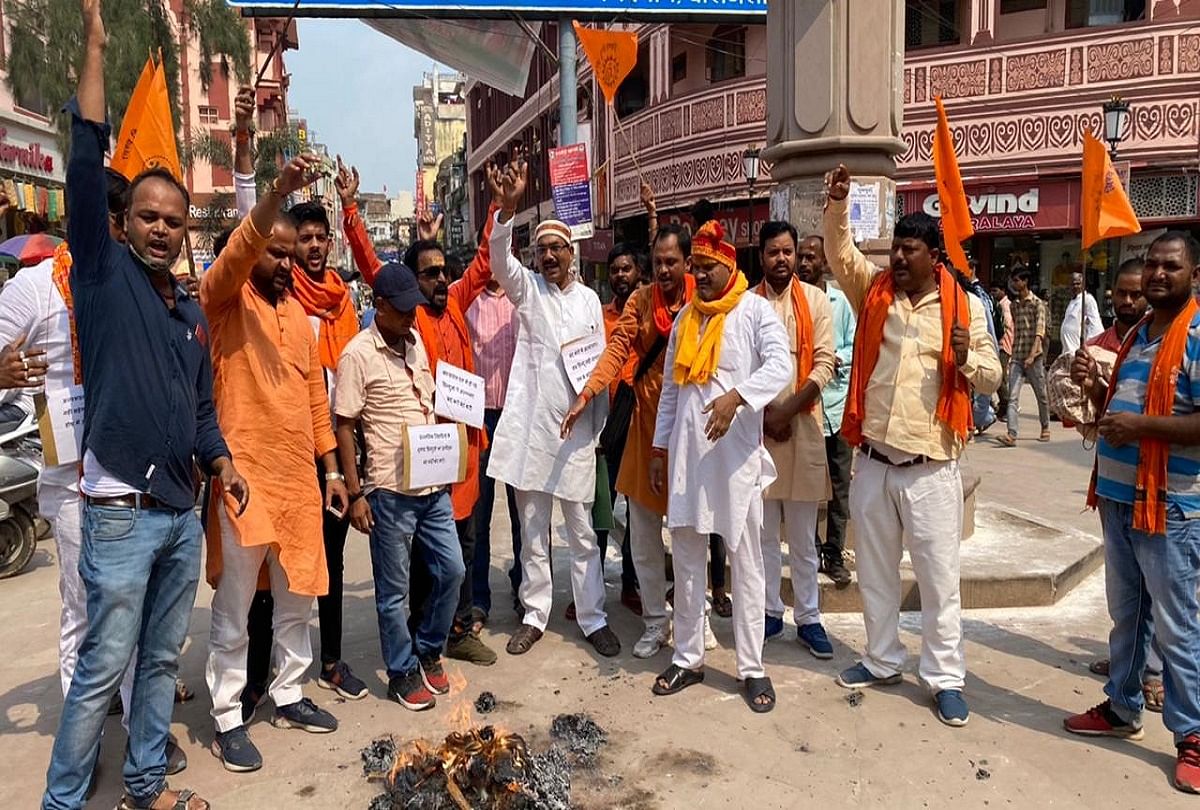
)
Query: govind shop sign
[
  {"x": 24, "y": 157},
  {"x": 1044, "y": 205}
]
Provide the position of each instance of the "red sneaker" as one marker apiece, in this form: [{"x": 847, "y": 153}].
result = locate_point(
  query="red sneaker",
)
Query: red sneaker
[
  {"x": 410, "y": 692},
  {"x": 1187, "y": 765},
  {"x": 1101, "y": 721},
  {"x": 434, "y": 676}
]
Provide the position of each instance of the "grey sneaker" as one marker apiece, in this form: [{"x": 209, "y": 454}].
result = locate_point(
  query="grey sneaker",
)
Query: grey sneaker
[
  {"x": 235, "y": 751},
  {"x": 304, "y": 714}
]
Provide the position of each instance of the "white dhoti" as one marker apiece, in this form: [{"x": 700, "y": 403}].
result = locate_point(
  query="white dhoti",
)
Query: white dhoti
[
  {"x": 229, "y": 639},
  {"x": 796, "y": 523},
  {"x": 587, "y": 572},
  {"x": 924, "y": 503}
]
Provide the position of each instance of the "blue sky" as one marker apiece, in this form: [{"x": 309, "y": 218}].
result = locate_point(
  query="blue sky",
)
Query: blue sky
[{"x": 354, "y": 87}]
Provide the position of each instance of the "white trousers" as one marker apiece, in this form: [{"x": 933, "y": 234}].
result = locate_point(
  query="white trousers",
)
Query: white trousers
[
  {"x": 229, "y": 640},
  {"x": 796, "y": 523},
  {"x": 649, "y": 561},
  {"x": 64, "y": 509},
  {"x": 689, "y": 559},
  {"x": 921, "y": 506},
  {"x": 587, "y": 572}
]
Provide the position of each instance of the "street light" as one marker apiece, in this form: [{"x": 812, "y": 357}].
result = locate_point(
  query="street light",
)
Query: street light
[
  {"x": 1116, "y": 115},
  {"x": 750, "y": 164}
]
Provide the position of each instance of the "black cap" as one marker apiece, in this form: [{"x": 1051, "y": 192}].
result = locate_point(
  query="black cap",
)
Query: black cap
[{"x": 397, "y": 285}]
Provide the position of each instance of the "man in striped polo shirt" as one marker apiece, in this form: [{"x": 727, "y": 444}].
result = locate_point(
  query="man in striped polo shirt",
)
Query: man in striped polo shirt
[{"x": 1147, "y": 488}]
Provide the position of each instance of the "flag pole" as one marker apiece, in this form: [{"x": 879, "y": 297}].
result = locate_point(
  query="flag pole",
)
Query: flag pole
[
  {"x": 275, "y": 47},
  {"x": 1083, "y": 303},
  {"x": 629, "y": 143}
]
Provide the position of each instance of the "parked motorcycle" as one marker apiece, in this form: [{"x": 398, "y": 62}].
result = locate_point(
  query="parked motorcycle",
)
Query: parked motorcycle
[{"x": 20, "y": 464}]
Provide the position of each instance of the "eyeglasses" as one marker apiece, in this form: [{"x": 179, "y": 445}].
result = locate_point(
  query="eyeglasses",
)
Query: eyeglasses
[
  {"x": 431, "y": 273},
  {"x": 558, "y": 247}
]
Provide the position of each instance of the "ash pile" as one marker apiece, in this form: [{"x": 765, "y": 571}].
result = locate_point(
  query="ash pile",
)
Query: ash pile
[{"x": 482, "y": 768}]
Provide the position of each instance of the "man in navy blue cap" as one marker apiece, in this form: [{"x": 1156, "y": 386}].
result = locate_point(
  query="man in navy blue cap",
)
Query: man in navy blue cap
[{"x": 384, "y": 384}]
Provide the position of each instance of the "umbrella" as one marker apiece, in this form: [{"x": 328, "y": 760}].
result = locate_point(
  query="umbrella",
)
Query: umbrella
[{"x": 30, "y": 248}]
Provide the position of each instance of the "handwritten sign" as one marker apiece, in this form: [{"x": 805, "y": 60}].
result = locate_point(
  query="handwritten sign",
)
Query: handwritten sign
[
  {"x": 580, "y": 358},
  {"x": 459, "y": 395},
  {"x": 60, "y": 423},
  {"x": 571, "y": 190},
  {"x": 434, "y": 455}
]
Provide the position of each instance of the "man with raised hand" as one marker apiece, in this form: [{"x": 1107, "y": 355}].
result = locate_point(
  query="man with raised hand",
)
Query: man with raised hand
[{"x": 148, "y": 418}]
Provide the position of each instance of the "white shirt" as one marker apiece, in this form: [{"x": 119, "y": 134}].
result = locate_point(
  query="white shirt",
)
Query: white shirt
[
  {"x": 1070, "y": 325},
  {"x": 32, "y": 307},
  {"x": 245, "y": 192},
  {"x": 527, "y": 451},
  {"x": 710, "y": 485}
]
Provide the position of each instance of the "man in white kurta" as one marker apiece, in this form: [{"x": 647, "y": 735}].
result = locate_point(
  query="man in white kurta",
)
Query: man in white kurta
[
  {"x": 554, "y": 310},
  {"x": 709, "y": 442},
  {"x": 794, "y": 427},
  {"x": 1081, "y": 309}
]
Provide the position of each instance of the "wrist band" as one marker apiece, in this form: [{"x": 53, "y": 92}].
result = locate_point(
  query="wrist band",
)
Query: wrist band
[{"x": 334, "y": 476}]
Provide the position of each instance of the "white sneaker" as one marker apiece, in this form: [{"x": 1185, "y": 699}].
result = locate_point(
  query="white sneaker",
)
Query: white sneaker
[
  {"x": 710, "y": 641},
  {"x": 651, "y": 642}
]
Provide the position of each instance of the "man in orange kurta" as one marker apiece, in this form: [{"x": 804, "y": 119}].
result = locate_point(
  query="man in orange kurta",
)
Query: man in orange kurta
[
  {"x": 442, "y": 327},
  {"x": 269, "y": 391},
  {"x": 642, "y": 333}
]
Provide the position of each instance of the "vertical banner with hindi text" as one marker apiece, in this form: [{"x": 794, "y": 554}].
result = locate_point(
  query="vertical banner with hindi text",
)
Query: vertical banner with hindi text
[{"x": 572, "y": 193}]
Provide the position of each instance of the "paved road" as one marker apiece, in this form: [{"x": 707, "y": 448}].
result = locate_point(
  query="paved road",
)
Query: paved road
[{"x": 700, "y": 749}]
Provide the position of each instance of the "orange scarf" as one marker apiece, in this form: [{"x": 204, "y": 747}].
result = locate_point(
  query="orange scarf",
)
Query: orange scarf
[
  {"x": 664, "y": 319},
  {"x": 329, "y": 300},
  {"x": 954, "y": 400},
  {"x": 1150, "y": 488},
  {"x": 62, "y": 280},
  {"x": 427, "y": 327},
  {"x": 804, "y": 332}
]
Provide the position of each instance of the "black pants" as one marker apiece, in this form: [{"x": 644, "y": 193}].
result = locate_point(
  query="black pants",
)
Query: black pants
[
  {"x": 1002, "y": 393},
  {"x": 840, "y": 457},
  {"x": 420, "y": 586},
  {"x": 629, "y": 581},
  {"x": 329, "y": 607},
  {"x": 716, "y": 561}
]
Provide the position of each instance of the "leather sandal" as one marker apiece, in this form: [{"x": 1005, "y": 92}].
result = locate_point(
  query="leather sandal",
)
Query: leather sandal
[
  {"x": 1152, "y": 695},
  {"x": 523, "y": 640},
  {"x": 183, "y": 800},
  {"x": 757, "y": 688},
  {"x": 675, "y": 679}
]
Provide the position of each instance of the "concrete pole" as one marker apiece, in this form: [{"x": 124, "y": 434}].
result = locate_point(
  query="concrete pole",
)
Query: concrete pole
[
  {"x": 568, "y": 113},
  {"x": 834, "y": 95}
]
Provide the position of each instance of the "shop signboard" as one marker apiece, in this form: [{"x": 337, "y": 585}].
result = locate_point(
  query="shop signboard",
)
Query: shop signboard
[
  {"x": 1037, "y": 205},
  {"x": 605, "y": 10}
]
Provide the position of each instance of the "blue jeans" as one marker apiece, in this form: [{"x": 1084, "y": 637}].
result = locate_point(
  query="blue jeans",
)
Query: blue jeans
[
  {"x": 1018, "y": 375},
  {"x": 400, "y": 521},
  {"x": 140, "y": 568},
  {"x": 481, "y": 589},
  {"x": 1151, "y": 583}
]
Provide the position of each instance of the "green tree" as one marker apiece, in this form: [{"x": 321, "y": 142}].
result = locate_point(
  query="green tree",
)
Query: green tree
[{"x": 46, "y": 50}]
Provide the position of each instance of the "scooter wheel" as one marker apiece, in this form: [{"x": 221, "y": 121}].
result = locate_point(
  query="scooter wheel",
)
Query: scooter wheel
[{"x": 18, "y": 540}]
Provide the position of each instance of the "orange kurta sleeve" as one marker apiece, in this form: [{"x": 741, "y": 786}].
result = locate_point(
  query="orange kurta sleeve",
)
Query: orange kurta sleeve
[
  {"x": 318, "y": 398},
  {"x": 360, "y": 244},
  {"x": 223, "y": 282},
  {"x": 617, "y": 351},
  {"x": 479, "y": 271}
]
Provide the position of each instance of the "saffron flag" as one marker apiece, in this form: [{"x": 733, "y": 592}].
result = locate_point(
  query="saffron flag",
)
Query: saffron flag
[
  {"x": 147, "y": 138},
  {"x": 1105, "y": 210},
  {"x": 612, "y": 55},
  {"x": 956, "y": 214}
]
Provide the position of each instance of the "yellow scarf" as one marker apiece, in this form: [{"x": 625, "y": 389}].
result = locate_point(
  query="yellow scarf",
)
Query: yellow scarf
[{"x": 696, "y": 355}]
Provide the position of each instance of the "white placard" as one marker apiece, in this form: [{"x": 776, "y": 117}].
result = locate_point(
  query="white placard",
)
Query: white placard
[
  {"x": 864, "y": 211},
  {"x": 459, "y": 395},
  {"x": 434, "y": 455},
  {"x": 60, "y": 423},
  {"x": 580, "y": 358}
]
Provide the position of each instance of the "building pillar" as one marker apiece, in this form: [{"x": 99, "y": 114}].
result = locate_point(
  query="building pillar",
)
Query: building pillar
[
  {"x": 834, "y": 95},
  {"x": 982, "y": 21}
]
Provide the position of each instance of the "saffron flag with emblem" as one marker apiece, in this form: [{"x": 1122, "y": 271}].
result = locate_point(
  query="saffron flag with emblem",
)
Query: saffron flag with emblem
[
  {"x": 612, "y": 55},
  {"x": 952, "y": 199},
  {"x": 147, "y": 138},
  {"x": 1105, "y": 210}
]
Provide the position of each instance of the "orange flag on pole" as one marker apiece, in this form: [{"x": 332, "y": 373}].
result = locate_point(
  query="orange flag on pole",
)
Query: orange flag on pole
[
  {"x": 147, "y": 138},
  {"x": 956, "y": 214},
  {"x": 612, "y": 55},
  {"x": 1105, "y": 211}
]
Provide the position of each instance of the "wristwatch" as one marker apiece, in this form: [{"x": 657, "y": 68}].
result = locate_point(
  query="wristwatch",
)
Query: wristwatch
[{"x": 334, "y": 476}]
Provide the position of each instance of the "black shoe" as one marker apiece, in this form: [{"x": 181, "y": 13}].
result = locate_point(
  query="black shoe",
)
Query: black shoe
[
  {"x": 305, "y": 715},
  {"x": 836, "y": 570},
  {"x": 606, "y": 642},
  {"x": 340, "y": 679},
  {"x": 235, "y": 751},
  {"x": 177, "y": 761},
  {"x": 251, "y": 697}
]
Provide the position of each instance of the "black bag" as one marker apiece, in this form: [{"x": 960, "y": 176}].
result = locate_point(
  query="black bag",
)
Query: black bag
[{"x": 620, "y": 413}]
